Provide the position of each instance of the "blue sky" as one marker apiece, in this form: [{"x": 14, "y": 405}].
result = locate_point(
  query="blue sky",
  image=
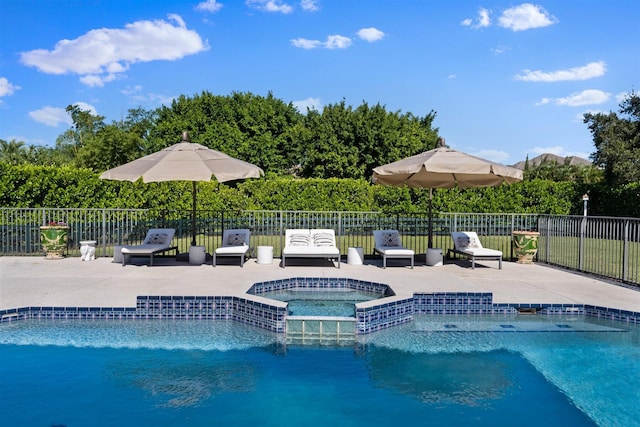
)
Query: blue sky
[{"x": 507, "y": 79}]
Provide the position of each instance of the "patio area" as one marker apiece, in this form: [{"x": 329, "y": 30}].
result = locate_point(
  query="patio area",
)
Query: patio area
[{"x": 70, "y": 282}]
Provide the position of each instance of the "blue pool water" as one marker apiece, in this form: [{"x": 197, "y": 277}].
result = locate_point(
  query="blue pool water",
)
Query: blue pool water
[
  {"x": 439, "y": 371},
  {"x": 321, "y": 303}
]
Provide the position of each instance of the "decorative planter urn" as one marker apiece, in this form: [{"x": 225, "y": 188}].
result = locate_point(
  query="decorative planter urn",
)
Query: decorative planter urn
[
  {"x": 54, "y": 240},
  {"x": 525, "y": 245}
]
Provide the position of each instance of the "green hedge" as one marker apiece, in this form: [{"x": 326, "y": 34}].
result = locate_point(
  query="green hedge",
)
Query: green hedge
[{"x": 43, "y": 186}]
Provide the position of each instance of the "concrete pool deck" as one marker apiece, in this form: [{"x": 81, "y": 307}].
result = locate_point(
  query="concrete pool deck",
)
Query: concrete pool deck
[{"x": 70, "y": 282}]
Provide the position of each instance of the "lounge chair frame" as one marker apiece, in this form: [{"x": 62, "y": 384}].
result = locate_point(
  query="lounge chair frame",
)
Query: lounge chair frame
[
  {"x": 330, "y": 252},
  {"x": 477, "y": 253},
  {"x": 395, "y": 252},
  {"x": 148, "y": 248},
  {"x": 227, "y": 250}
]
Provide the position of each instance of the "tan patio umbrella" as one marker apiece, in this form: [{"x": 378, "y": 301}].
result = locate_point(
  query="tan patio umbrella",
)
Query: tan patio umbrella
[
  {"x": 185, "y": 161},
  {"x": 444, "y": 167}
]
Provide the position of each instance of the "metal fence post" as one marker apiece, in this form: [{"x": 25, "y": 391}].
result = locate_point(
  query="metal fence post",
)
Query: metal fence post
[
  {"x": 625, "y": 252},
  {"x": 583, "y": 228},
  {"x": 104, "y": 232}
]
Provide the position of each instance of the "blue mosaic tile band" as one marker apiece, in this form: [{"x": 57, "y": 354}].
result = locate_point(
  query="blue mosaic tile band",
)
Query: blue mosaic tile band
[
  {"x": 320, "y": 283},
  {"x": 454, "y": 303},
  {"x": 383, "y": 316},
  {"x": 374, "y": 317}
]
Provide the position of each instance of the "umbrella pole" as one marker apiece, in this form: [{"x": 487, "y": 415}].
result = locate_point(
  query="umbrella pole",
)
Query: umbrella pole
[
  {"x": 193, "y": 216},
  {"x": 430, "y": 245}
]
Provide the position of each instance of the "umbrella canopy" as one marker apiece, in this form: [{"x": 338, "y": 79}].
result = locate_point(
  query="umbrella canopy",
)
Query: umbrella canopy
[
  {"x": 444, "y": 167},
  {"x": 184, "y": 161}
]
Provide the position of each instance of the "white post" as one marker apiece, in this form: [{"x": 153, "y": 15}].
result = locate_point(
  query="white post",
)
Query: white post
[{"x": 585, "y": 199}]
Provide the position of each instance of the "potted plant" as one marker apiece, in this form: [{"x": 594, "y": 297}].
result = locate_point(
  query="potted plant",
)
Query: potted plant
[
  {"x": 525, "y": 245},
  {"x": 54, "y": 238}
]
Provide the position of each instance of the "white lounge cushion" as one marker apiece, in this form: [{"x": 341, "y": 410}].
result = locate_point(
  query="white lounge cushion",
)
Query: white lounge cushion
[
  {"x": 389, "y": 245},
  {"x": 311, "y": 250},
  {"x": 314, "y": 243},
  {"x": 468, "y": 243},
  {"x": 232, "y": 250},
  {"x": 235, "y": 242},
  {"x": 156, "y": 241},
  {"x": 395, "y": 251},
  {"x": 143, "y": 249},
  {"x": 480, "y": 252}
]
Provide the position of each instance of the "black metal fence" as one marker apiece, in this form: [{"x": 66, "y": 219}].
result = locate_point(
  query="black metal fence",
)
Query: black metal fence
[{"x": 604, "y": 246}]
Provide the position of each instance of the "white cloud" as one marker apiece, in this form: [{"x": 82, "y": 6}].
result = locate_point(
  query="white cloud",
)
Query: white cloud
[
  {"x": 306, "y": 43},
  {"x": 310, "y": 5},
  {"x": 332, "y": 42},
  {"x": 493, "y": 155},
  {"x": 500, "y": 49},
  {"x": 619, "y": 97},
  {"x": 93, "y": 80},
  {"x": 451, "y": 76},
  {"x": 132, "y": 91},
  {"x": 136, "y": 96},
  {"x": 51, "y": 116},
  {"x": 7, "y": 88},
  {"x": 525, "y": 16},
  {"x": 209, "y": 6},
  {"x": 589, "y": 71},
  {"x": 337, "y": 42},
  {"x": 86, "y": 107},
  {"x": 370, "y": 34},
  {"x": 483, "y": 20},
  {"x": 586, "y": 97},
  {"x": 310, "y": 103},
  {"x": 54, "y": 116},
  {"x": 99, "y": 56},
  {"x": 270, "y": 6}
]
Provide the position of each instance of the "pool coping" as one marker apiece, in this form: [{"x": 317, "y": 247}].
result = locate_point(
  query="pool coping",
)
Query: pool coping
[
  {"x": 273, "y": 316},
  {"x": 33, "y": 287}
]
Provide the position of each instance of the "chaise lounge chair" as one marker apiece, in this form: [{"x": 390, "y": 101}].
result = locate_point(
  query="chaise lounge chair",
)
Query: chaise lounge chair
[
  {"x": 467, "y": 243},
  {"x": 314, "y": 243},
  {"x": 158, "y": 240},
  {"x": 235, "y": 242},
  {"x": 389, "y": 245}
]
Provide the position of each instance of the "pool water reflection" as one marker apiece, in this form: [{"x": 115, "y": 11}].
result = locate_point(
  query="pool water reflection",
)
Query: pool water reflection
[{"x": 105, "y": 373}]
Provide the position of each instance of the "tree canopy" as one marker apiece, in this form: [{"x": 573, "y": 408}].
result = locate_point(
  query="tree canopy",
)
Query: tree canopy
[
  {"x": 339, "y": 143},
  {"x": 616, "y": 137}
]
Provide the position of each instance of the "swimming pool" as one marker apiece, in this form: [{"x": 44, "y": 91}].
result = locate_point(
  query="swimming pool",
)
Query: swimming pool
[
  {"x": 437, "y": 370},
  {"x": 323, "y": 303}
]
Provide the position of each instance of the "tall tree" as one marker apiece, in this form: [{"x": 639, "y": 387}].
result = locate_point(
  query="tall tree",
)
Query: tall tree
[
  {"x": 616, "y": 137},
  {"x": 85, "y": 126},
  {"x": 12, "y": 152},
  {"x": 253, "y": 128},
  {"x": 117, "y": 143},
  {"x": 347, "y": 143}
]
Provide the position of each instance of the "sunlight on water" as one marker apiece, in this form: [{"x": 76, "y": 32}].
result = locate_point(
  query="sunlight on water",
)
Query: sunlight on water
[
  {"x": 151, "y": 334},
  {"x": 485, "y": 371}
]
